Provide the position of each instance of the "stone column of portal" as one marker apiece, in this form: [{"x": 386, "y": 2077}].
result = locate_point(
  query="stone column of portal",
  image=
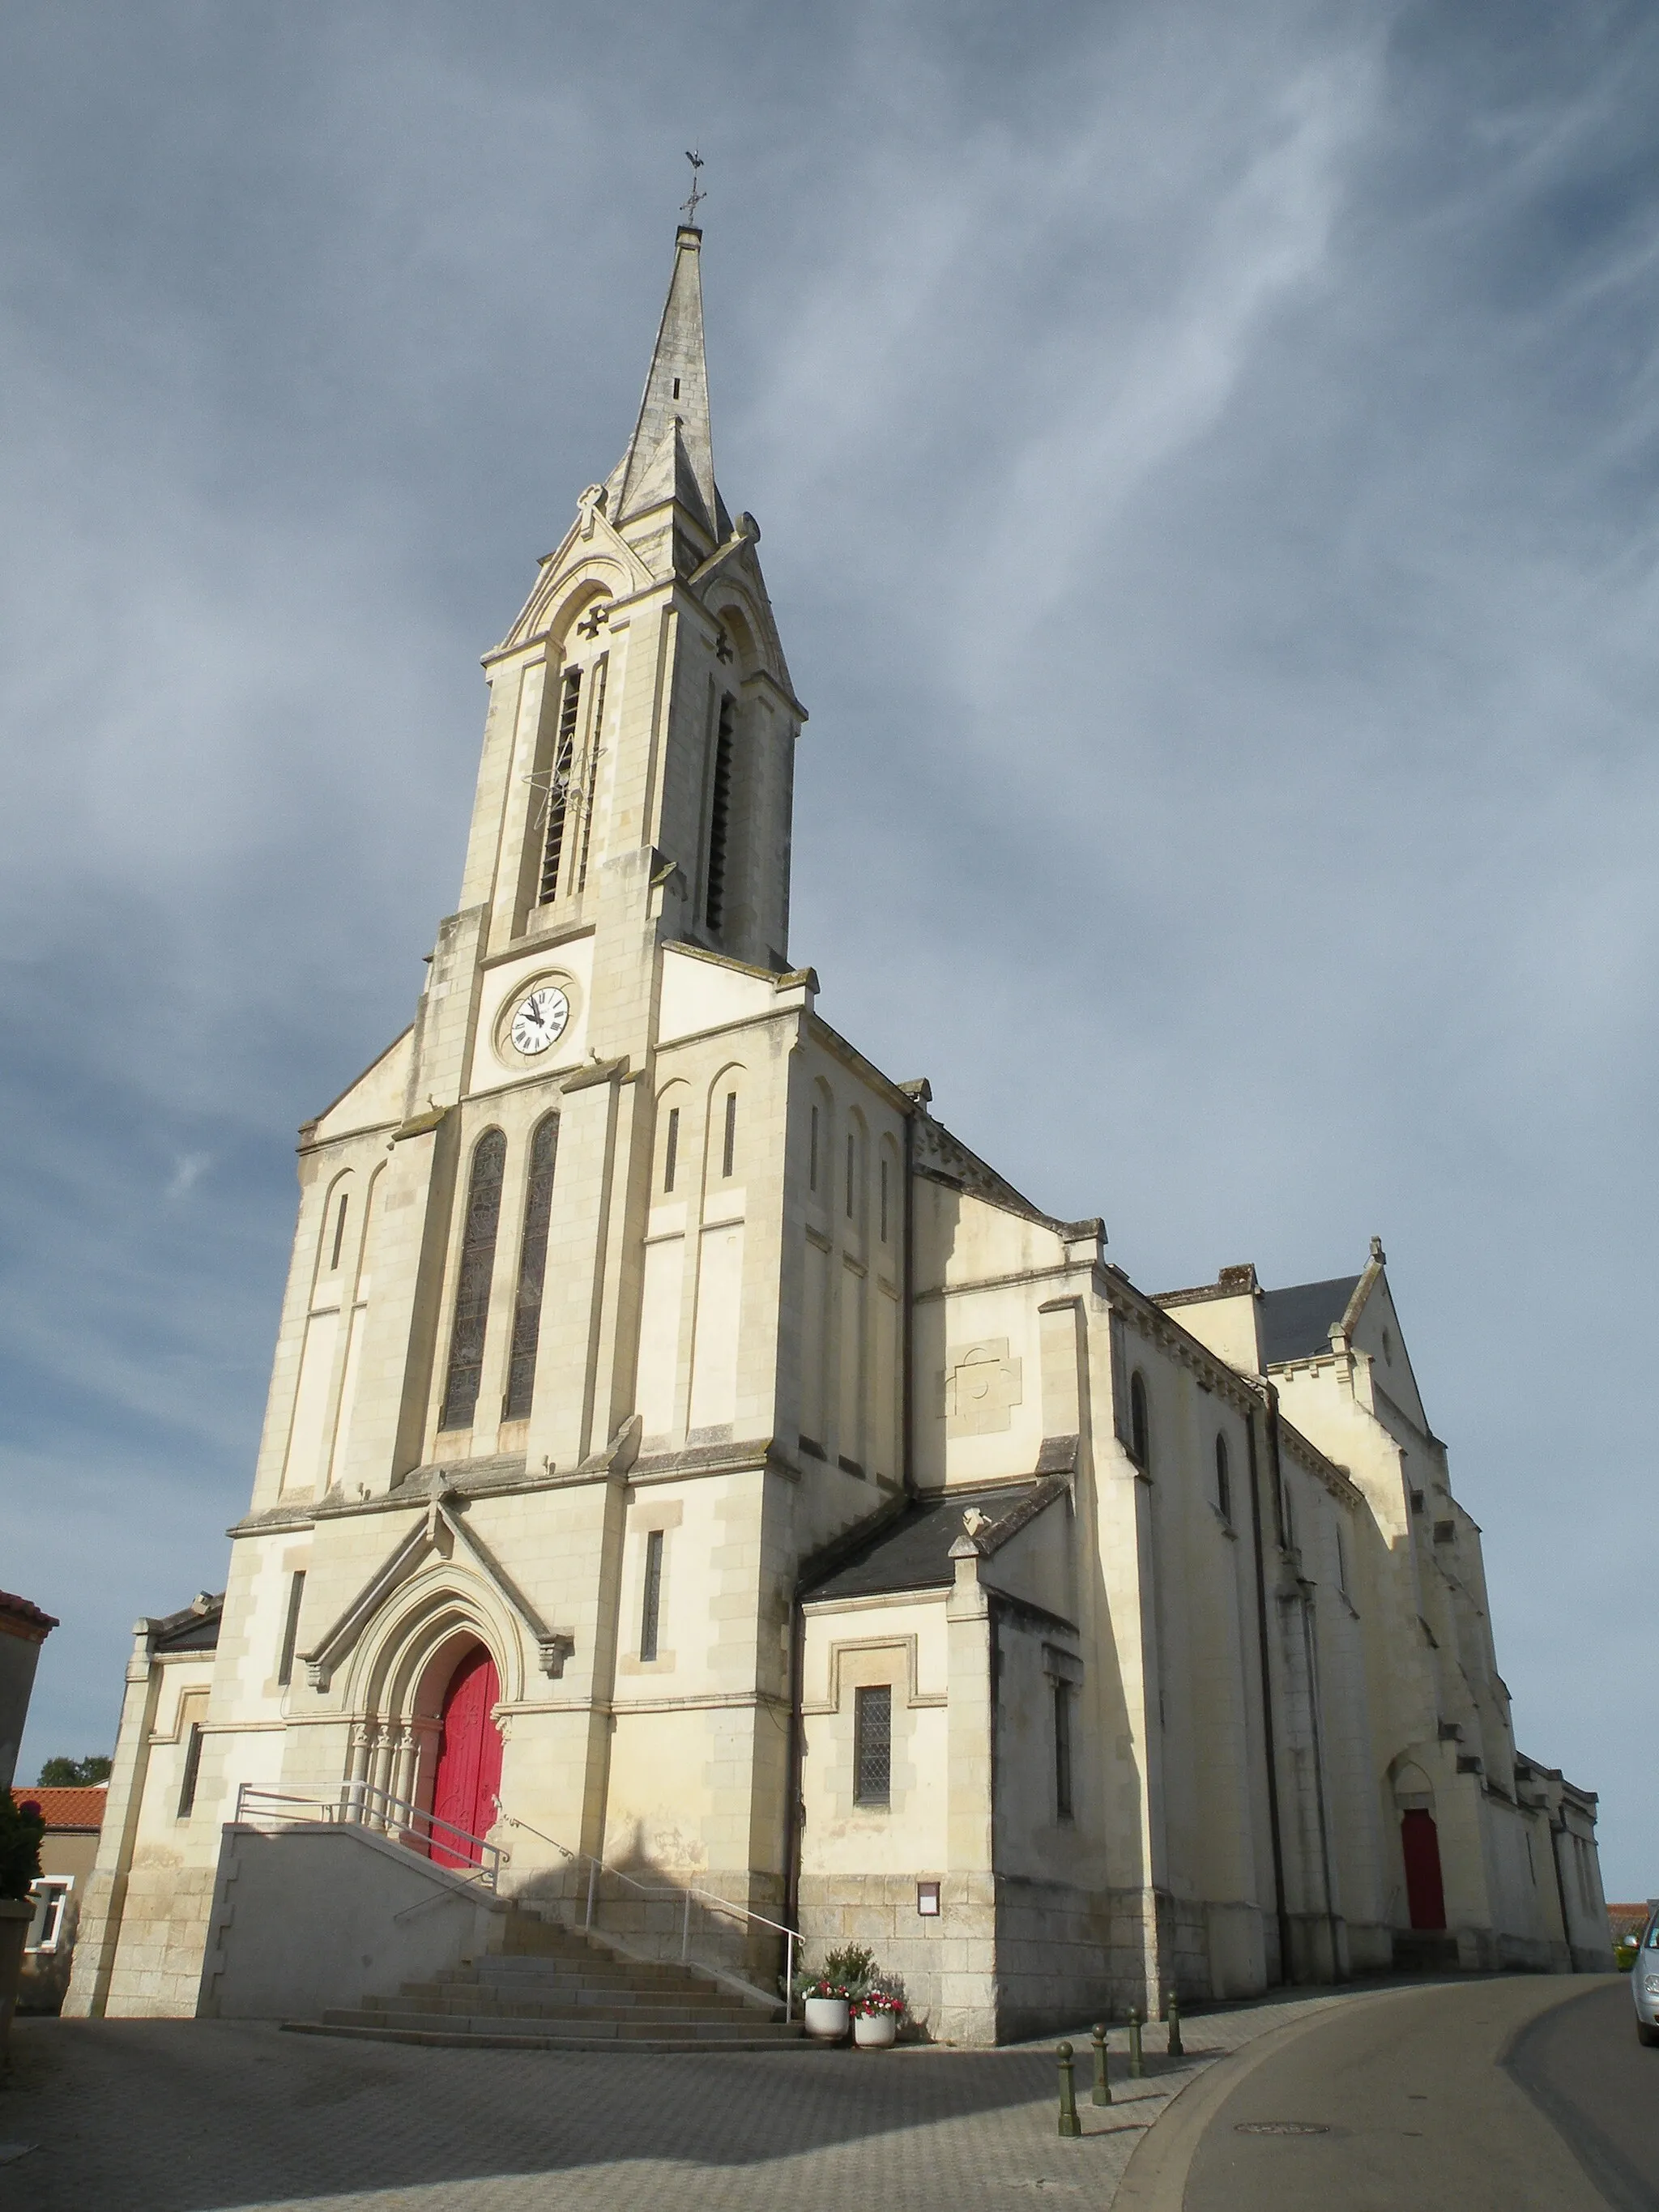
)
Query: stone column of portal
[
  {"x": 405, "y": 1745},
  {"x": 968, "y": 1977},
  {"x": 362, "y": 1739},
  {"x": 381, "y": 1774}
]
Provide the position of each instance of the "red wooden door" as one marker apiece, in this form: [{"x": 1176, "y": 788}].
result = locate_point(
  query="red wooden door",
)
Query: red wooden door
[
  {"x": 1420, "y": 1842},
  {"x": 469, "y": 1760}
]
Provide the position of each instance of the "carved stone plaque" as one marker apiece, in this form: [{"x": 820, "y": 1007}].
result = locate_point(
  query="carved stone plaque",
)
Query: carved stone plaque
[{"x": 982, "y": 1386}]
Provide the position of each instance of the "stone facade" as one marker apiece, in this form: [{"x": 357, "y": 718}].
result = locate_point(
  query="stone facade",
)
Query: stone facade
[{"x": 644, "y": 1333}]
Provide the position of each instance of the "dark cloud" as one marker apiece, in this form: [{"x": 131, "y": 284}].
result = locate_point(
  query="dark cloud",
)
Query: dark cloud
[{"x": 1207, "y": 461}]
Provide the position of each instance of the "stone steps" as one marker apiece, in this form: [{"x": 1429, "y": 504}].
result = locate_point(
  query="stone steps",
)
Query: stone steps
[
  {"x": 491, "y": 2039},
  {"x": 551, "y": 1988},
  {"x": 469, "y": 2026},
  {"x": 474, "y": 2002}
]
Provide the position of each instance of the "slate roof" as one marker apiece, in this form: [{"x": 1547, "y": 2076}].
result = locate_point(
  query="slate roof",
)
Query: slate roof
[
  {"x": 1296, "y": 1323},
  {"x": 913, "y": 1552},
  {"x": 68, "y": 1809},
  {"x": 195, "y": 1629}
]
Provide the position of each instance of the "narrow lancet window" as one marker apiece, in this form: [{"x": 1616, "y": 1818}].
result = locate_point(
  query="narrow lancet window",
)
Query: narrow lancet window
[
  {"x": 466, "y": 1342},
  {"x": 729, "y": 1149},
  {"x": 812, "y": 1152},
  {"x": 671, "y": 1149},
  {"x": 296, "y": 1591},
  {"x": 651, "y": 1611},
  {"x": 1140, "y": 1427},
  {"x": 193, "y": 1769},
  {"x": 852, "y": 1170},
  {"x": 1062, "y": 1751},
  {"x": 872, "y": 1745},
  {"x": 883, "y": 1200},
  {"x": 339, "y": 1230},
  {"x": 1224, "y": 1480},
  {"x": 532, "y": 1267},
  {"x": 558, "y": 794},
  {"x": 720, "y": 818}
]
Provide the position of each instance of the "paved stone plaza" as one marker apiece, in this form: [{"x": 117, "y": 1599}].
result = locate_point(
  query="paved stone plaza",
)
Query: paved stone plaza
[{"x": 202, "y": 2116}]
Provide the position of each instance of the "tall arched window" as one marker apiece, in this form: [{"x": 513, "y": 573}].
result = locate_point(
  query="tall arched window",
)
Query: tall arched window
[
  {"x": 1224, "y": 1480},
  {"x": 1140, "y": 1429},
  {"x": 558, "y": 795},
  {"x": 532, "y": 1266},
  {"x": 466, "y": 1342}
]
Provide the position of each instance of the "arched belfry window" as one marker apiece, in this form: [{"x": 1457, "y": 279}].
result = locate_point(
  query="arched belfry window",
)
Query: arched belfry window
[
  {"x": 720, "y": 816},
  {"x": 477, "y": 1263},
  {"x": 558, "y": 796},
  {"x": 1140, "y": 1427},
  {"x": 532, "y": 1267}
]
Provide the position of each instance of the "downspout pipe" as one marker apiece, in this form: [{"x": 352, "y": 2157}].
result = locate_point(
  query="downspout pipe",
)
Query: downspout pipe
[
  {"x": 791, "y": 1815},
  {"x": 907, "y": 1301},
  {"x": 1270, "y": 1736}
]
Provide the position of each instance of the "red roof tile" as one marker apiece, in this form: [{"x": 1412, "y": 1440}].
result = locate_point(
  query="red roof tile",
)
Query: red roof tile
[
  {"x": 81, "y": 1808},
  {"x": 19, "y": 1616}
]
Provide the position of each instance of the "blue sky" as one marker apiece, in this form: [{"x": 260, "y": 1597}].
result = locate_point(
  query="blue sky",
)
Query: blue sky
[{"x": 1207, "y": 457}]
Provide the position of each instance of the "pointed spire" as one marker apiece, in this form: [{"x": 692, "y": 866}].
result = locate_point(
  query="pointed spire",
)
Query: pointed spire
[{"x": 671, "y": 453}]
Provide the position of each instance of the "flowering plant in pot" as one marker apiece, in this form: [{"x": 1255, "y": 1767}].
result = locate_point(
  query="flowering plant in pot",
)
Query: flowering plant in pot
[
  {"x": 878, "y": 2012},
  {"x": 827, "y": 1992}
]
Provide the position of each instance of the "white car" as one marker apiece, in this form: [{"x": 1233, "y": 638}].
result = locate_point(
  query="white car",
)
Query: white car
[{"x": 1644, "y": 1981}]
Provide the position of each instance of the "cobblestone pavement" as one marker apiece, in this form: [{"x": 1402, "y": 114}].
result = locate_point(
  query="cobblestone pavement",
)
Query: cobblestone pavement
[{"x": 205, "y": 2116}]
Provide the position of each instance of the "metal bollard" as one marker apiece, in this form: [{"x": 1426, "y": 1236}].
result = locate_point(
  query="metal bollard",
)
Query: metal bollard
[
  {"x": 1137, "y": 2063},
  {"x": 1103, "y": 2087},
  {"x": 1172, "y": 2013},
  {"x": 1069, "y": 2123}
]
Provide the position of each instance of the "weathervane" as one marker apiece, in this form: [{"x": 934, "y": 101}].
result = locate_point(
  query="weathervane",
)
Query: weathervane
[{"x": 688, "y": 208}]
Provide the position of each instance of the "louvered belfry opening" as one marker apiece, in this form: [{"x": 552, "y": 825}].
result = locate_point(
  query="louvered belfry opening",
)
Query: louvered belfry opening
[
  {"x": 720, "y": 818},
  {"x": 558, "y": 797},
  {"x": 466, "y": 1342},
  {"x": 532, "y": 1267}
]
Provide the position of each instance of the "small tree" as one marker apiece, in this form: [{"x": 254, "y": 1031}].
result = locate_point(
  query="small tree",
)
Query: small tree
[
  {"x": 21, "y": 1831},
  {"x": 73, "y": 1773}
]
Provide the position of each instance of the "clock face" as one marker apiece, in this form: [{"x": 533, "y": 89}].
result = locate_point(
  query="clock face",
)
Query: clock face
[{"x": 538, "y": 1021}]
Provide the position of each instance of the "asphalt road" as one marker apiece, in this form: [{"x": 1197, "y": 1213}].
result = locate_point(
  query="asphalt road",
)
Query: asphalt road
[
  {"x": 1527, "y": 2094},
  {"x": 1582, "y": 2066}
]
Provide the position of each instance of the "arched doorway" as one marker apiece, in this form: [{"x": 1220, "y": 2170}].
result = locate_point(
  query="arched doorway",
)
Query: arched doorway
[
  {"x": 1420, "y": 1840},
  {"x": 469, "y": 1769}
]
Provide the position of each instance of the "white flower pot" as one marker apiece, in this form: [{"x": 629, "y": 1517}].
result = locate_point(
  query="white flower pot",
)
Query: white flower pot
[
  {"x": 826, "y": 2018},
  {"x": 874, "y": 2031}
]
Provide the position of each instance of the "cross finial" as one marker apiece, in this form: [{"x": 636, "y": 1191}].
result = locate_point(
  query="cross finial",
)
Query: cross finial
[{"x": 688, "y": 208}]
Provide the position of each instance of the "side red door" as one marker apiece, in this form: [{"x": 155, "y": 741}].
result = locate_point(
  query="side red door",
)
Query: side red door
[
  {"x": 469, "y": 1760},
  {"x": 1420, "y": 1842}
]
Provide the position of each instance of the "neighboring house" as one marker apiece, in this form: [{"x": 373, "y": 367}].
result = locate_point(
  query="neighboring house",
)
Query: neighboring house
[
  {"x": 23, "y": 1629},
  {"x": 680, "y": 1444},
  {"x": 68, "y": 1850},
  {"x": 1629, "y": 1920}
]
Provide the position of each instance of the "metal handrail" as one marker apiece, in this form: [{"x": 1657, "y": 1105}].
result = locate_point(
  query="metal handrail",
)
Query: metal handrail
[
  {"x": 384, "y": 1811},
  {"x": 686, "y": 1890}
]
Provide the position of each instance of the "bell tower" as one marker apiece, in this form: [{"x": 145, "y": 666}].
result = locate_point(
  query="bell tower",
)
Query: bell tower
[{"x": 637, "y": 775}]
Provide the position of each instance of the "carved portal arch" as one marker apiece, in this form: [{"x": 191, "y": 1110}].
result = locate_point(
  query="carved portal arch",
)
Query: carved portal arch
[{"x": 398, "y": 1674}]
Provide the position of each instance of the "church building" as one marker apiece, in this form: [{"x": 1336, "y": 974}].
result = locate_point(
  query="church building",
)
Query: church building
[{"x": 693, "y": 1477}]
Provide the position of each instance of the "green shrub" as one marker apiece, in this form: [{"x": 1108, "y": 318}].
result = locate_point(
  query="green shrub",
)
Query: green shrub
[{"x": 20, "y": 1847}]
